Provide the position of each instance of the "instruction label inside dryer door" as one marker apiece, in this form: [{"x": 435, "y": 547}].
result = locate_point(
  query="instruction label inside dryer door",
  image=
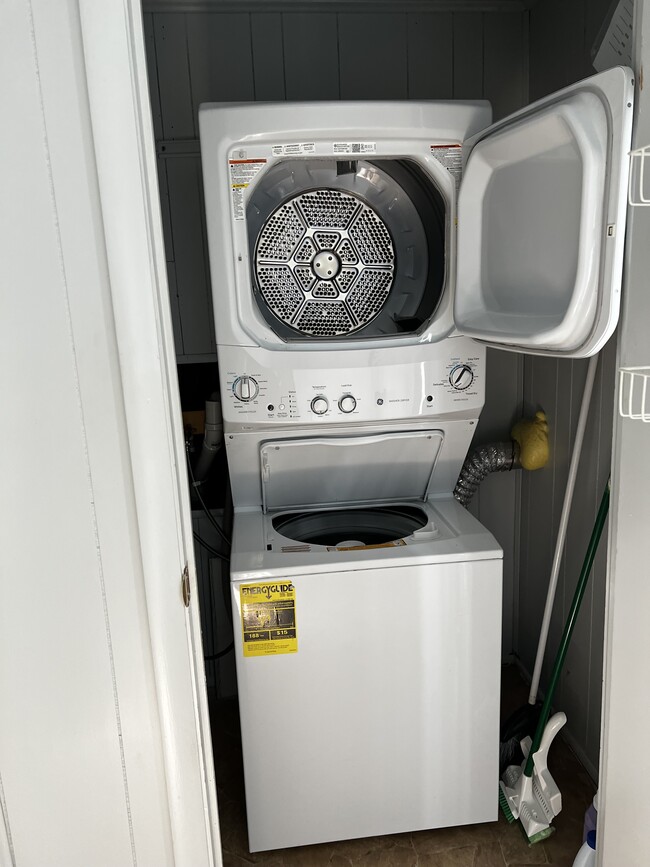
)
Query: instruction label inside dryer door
[
  {"x": 242, "y": 172},
  {"x": 268, "y": 618}
]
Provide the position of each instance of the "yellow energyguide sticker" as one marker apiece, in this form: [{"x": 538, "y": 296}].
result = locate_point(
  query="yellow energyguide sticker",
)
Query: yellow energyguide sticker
[{"x": 268, "y": 618}]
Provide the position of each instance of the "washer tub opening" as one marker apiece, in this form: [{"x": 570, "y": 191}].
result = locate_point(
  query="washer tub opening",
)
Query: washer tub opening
[{"x": 373, "y": 525}]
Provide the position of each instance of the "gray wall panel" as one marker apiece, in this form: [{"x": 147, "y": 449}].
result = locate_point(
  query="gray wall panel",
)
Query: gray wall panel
[
  {"x": 173, "y": 75},
  {"x": 504, "y": 62},
  {"x": 430, "y": 56},
  {"x": 468, "y": 55},
  {"x": 268, "y": 56},
  {"x": 194, "y": 298},
  {"x": 311, "y": 65},
  {"x": 373, "y": 56},
  {"x": 220, "y": 58}
]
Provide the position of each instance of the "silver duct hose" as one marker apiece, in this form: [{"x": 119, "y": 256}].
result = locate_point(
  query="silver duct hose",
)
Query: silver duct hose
[{"x": 480, "y": 462}]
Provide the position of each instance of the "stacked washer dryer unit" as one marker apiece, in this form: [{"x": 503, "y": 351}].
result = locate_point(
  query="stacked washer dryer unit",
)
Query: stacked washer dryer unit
[{"x": 367, "y": 602}]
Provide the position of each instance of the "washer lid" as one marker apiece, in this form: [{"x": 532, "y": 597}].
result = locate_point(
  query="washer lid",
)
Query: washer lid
[{"x": 340, "y": 470}]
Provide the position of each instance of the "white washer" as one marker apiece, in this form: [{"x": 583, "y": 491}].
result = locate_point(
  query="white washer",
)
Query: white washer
[
  {"x": 386, "y": 718},
  {"x": 351, "y": 244}
]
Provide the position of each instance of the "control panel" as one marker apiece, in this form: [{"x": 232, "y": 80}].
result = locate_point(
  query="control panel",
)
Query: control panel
[{"x": 437, "y": 380}]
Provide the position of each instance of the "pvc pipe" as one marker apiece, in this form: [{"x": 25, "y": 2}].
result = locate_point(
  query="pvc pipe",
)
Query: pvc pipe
[
  {"x": 212, "y": 439},
  {"x": 562, "y": 530}
]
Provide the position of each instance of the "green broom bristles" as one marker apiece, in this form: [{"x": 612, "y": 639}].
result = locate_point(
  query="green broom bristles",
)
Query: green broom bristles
[{"x": 505, "y": 807}]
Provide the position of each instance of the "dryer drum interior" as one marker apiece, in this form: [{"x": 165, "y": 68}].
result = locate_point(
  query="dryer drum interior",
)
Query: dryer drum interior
[
  {"x": 367, "y": 526},
  {"x": 346, "y": 249}
]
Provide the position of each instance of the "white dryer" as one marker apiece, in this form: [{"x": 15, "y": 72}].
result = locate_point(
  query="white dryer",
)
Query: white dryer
[{"x": 351, "y": 245}]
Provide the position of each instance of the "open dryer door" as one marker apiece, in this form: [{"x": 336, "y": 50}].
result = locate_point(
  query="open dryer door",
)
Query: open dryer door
[{"x": 541, "y": 222}]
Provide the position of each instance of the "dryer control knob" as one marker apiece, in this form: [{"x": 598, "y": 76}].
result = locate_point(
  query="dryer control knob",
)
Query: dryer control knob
[
  {"x": 461, "y": 377},
  {"x": 245, "y": 388},
  {"x": 347, "y": 403},
  {"x": 320, "y": 405}
]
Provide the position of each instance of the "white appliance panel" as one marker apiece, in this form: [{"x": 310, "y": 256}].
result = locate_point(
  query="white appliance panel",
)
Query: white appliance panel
[
  {"x": 542, "y": 209},
  {"x": 348, "y": 469},
  {"x": 442, "y": 380},
  {"x": 386, "y": 719}
]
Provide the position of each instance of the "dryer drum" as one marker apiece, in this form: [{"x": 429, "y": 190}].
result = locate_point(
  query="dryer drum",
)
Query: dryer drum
[
  {"x": 369, "y": 526},
  {"x": 340, "y": 249}
]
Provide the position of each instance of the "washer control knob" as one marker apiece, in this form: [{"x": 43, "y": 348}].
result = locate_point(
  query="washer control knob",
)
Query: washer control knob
[
  {"x": 320, "y": 405},
  {"x": 461, "y": 377},
  {"x": 347, "y": 403},
  {"x": 245, "y": 388}
]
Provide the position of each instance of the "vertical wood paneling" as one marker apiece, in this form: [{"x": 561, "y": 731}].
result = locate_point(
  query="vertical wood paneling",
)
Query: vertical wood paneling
[
  {"x": 311, "y": 61},
  {"x": 163, "y": 191},
  {"x": 194, "y": 296},
  {"x": 575, "y": 676},
  {"x": 430, "y": 56},
  {"x": 173, "y": 76},
  {"x": 468, "y": 55},
  {"x": 373, "y": 56},
  {"x": 220, "y": 58},
  {"x": 175, "y": 309},
  {"x": 540, "y": 384},
  {"x": 504, "y": 62},
  {"x": 599, "y": 577},
  {"x": 268, "y": 56},
  {"x": 547, "y": 60},
  {"x": 152, "y": 74}
]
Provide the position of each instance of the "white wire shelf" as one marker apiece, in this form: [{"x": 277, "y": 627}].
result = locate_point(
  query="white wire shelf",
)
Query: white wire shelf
[
  {"x": 634, "y": 393},
  {"x": 636, "y": 193}
]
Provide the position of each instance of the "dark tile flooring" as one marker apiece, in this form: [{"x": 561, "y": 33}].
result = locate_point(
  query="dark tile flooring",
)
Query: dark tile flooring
[{"x": 496, "y": 844}]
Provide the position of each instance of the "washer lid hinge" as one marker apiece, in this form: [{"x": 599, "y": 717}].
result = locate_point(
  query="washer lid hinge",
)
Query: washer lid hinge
[{"x": 185, "y": 586}]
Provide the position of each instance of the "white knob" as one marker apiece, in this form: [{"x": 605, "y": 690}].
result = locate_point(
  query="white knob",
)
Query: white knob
[
  {"x": 461, "y": 377},
  {"x": 245, "y": 388},
  {"x": 320, "y": 405},
  {"x": 347, "y": 403}
]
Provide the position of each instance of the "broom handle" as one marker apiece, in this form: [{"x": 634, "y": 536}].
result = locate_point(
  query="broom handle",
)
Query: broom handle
[{"x": 596, "y": 533}]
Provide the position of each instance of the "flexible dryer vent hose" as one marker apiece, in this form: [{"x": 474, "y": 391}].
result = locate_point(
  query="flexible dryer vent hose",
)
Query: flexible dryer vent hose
[{"x": 480, "y": 462}]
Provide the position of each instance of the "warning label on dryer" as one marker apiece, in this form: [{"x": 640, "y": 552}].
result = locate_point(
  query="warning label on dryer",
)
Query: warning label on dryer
[
  {"x": 268, "y": 618},
  {"x": 242, "y": 172},
  {"x": 294, "y": 148},
  {"x": 451, "y": 157}
]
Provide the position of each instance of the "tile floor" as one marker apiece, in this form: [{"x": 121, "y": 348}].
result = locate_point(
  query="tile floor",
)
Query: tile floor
[{"x": 495, "y": 844}]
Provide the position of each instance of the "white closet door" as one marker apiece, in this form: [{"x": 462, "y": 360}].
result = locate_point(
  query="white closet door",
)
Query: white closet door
[{"x": 541, "y": 221}]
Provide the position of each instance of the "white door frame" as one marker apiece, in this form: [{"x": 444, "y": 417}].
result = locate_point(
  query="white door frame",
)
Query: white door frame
[
  {"x": 124, "y": 143},
  {"x": 122, "y": 128}
]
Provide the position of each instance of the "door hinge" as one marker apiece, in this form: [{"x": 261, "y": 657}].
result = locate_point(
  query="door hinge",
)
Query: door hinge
[{"x": 185, "y": 586}]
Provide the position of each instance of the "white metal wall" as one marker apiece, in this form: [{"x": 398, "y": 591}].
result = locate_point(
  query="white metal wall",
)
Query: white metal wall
[
  {"x": 223, "y": 56},
  {"x": 101, "y": 760},
  {"x": 561, "y": 36}
]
